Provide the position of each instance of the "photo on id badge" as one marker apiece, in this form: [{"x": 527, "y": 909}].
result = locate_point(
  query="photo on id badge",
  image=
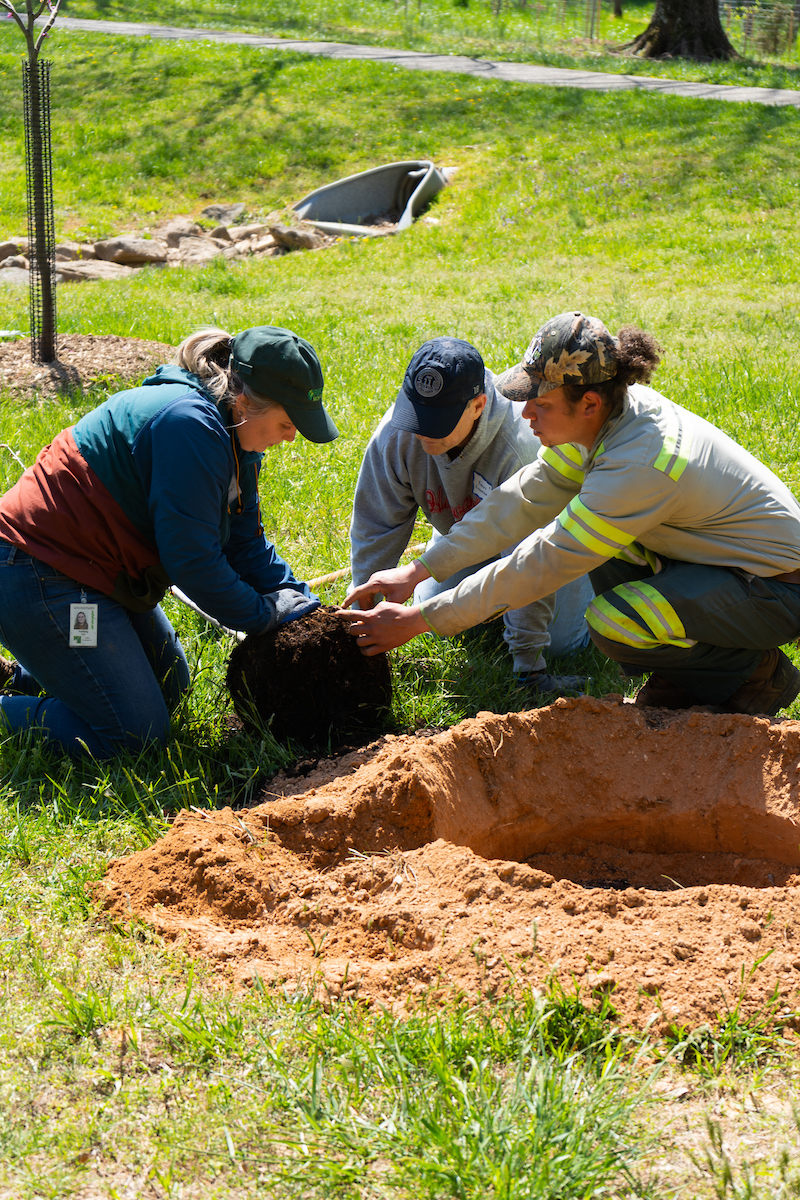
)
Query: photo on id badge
[{"x": 83, "y": 624}]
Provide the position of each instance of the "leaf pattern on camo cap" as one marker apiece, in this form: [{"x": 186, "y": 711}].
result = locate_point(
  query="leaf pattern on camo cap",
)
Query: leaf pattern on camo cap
[{"x": 571, "y": 348}]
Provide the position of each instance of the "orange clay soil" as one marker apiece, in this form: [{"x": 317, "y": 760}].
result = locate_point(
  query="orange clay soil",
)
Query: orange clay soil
[{"x": 648, "y": 854}]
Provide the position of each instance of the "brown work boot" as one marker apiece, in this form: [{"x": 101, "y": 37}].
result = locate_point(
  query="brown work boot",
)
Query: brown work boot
[
  {"x": 658, "y": 692},
  {"x": 772, "y": 686}
]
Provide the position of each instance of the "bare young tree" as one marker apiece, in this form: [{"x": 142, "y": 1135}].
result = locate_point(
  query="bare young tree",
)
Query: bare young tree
[
  {"x": 39, "y": 165},
  {"x": 683, "y": 29}
]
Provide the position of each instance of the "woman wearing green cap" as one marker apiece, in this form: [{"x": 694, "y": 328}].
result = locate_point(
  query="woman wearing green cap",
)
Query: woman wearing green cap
[
  {"x": 691, "y": 544},
  {"x": 158, "y": 485}
]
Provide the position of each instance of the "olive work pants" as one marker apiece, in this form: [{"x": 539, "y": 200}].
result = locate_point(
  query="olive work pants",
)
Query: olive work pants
[{"x": 702, "y": 628}]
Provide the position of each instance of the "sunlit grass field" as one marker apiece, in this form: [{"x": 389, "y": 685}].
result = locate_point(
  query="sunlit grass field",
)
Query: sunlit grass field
[
  {"x": 122, "y": 1065},
  {"x": 565, "y": 33}
]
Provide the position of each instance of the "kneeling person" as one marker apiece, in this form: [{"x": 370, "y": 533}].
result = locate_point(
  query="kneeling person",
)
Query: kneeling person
[{"x": 447, "y": 441}]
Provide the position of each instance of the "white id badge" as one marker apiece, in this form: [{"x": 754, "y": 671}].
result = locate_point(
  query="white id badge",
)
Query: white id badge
[
  {"x": 83, "y": 624},
  {"x": 480, "y": 486}
]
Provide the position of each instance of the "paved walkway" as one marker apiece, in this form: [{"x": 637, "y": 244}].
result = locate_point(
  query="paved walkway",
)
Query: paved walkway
[{"x": 415, "y": 61}]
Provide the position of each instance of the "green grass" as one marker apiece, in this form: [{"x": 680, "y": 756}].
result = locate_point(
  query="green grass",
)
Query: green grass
[
  {"x": 552, "y": 32},
  {"x": 122, "y": 1064}
]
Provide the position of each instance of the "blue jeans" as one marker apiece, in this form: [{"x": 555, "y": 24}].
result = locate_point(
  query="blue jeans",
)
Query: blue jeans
[{"x": 99, "y": 699}]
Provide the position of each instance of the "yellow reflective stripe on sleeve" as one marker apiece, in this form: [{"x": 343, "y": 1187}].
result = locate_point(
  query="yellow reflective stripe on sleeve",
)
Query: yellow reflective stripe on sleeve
[
  {"x": 674, "y": 456},
  {"x": 566, "y": 459},
  {"x": 617, "y": 627},
  {"x": 640, "y": 557},
  {"x": 592, "y": 531},
  {"x": 498, "y": 612},
  {"x": 656, "y": 612},
  {"x": 631, "y": 555}
]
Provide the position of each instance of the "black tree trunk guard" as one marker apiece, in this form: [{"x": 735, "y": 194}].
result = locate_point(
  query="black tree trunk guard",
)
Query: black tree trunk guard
[{"x": 41, "y": 220}]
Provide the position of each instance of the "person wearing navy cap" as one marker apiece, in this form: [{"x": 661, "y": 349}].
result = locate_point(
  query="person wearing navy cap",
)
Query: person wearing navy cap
[
  {"x": 158, "y": 485},
  {"x": 447, "y": 441}
]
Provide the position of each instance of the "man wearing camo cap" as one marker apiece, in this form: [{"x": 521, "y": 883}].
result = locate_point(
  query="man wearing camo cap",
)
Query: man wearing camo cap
[
  {"x": 447, "y": 440},
  {"x": 692, "y": 544}
]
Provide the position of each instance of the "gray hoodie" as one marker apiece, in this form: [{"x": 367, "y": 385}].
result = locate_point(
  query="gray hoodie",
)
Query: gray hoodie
[{"x": 397, "y": 478}]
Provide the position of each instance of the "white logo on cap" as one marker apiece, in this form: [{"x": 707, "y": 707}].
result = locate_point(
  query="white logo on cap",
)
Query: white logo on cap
[{"x": 428, "y": 382}]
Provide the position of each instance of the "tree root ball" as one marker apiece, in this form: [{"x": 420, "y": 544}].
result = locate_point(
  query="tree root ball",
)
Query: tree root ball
[{"x": 308, "y": 681}]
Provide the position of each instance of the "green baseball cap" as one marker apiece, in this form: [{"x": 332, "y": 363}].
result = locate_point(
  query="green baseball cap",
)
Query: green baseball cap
[{"x": 284, "y": 367}]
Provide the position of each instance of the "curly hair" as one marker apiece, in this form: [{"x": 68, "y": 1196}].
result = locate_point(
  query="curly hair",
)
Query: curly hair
[{"x": 637, "y": 358}]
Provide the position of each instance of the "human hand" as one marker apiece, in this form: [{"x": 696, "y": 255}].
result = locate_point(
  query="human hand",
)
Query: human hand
[
  {"x": 385, "y": 627},
  {"x": 395, "y": 585},
  {"x": 287, "y": 604}
]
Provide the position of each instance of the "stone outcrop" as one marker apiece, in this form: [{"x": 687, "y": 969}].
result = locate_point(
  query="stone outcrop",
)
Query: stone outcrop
[
  {"x": 132, "y": 251},
  {"x": 179, "y": 242},
  {"x": 75, "y": 272}
]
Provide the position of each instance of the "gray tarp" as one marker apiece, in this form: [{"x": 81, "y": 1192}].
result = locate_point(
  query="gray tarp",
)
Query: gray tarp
[{"x": 397, "y": 192}]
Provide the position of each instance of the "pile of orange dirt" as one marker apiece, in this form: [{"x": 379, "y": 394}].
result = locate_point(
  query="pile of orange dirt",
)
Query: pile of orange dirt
[{"x": 646, "y": 854}]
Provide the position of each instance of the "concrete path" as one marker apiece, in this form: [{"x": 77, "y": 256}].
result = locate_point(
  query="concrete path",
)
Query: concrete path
[{"x": 415, "y": 61}]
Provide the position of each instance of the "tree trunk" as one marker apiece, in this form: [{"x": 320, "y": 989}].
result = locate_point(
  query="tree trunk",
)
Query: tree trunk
[{"x": 683, "y": 29}]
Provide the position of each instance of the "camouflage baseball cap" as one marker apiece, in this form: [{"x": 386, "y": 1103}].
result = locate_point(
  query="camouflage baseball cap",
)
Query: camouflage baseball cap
[{"x": 569, "y": 348}]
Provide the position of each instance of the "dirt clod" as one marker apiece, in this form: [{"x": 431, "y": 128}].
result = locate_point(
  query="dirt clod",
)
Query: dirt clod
[
  {"x": 657, "y": 865},
  {"x": 308, "y": 681}
]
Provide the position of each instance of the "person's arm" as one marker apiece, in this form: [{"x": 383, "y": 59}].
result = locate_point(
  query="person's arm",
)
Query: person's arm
[
  {"x": 384, "y": 509},
  {"x": 396, "y": 585},
  {"x": 528, "y": 501},
  {"x": 618, "y": 505},
  {"x": 254, "y": 558},
  {"x": 189, "y": 467}
]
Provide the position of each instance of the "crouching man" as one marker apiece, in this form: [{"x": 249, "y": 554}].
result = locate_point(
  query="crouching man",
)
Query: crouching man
[{"x": 449, "y": 439}]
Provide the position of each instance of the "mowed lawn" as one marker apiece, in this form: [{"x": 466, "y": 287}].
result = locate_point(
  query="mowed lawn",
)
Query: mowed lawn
[{"x": 122, "y": 1065}]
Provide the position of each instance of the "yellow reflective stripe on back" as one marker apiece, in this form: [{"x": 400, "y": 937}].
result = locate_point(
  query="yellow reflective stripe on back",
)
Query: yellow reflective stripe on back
[
  {"x": 673, "y": 458},
  {"x": 611, "y": 623},
  {"x": 656, "y": 612},
  {"x": 592, "y": 531},
  {"x": 566, "y": 460}
]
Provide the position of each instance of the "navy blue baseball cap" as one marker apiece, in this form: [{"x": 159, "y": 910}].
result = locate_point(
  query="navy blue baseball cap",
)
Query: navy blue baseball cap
[{"x": 441, "y": 379}]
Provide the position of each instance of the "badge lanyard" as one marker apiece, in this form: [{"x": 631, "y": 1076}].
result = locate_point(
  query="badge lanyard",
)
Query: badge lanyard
[{"x": 83, "y": 623}]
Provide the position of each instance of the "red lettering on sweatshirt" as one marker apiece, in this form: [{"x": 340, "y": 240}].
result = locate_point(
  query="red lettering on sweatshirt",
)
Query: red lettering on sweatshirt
[{"x": 438, "y": 502}]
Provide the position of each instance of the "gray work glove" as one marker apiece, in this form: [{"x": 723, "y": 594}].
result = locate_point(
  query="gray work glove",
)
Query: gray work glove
[{"x": 287, "y": 605}]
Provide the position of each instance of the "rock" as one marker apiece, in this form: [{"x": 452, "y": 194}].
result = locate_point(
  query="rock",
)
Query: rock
[
  {"x": 220, "y": 243},
  {"x": 294, "y": 238},
  {"x": 240, "y": 232},
  {"x": 198, "y": 250},
  {"x": 263, "y": 244},
  {"x": 67, "y": 251},
  {"x": 177, "y": 230},
  {"x": 222, "y": 232},
  {"x": 16, "y": 260},
  {"x": 13, "y": 275},
  {"x": 131, "y": 250},
  {"x": 74, "y": 272},
  {"x": 9, "y": 250},
  {"x": 226, "y": 214}
]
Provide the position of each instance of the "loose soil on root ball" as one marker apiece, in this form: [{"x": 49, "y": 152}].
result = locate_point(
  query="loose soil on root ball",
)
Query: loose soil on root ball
[
  {"x": 648, "y": 855},
  {"x": 308, "y": 681}
]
